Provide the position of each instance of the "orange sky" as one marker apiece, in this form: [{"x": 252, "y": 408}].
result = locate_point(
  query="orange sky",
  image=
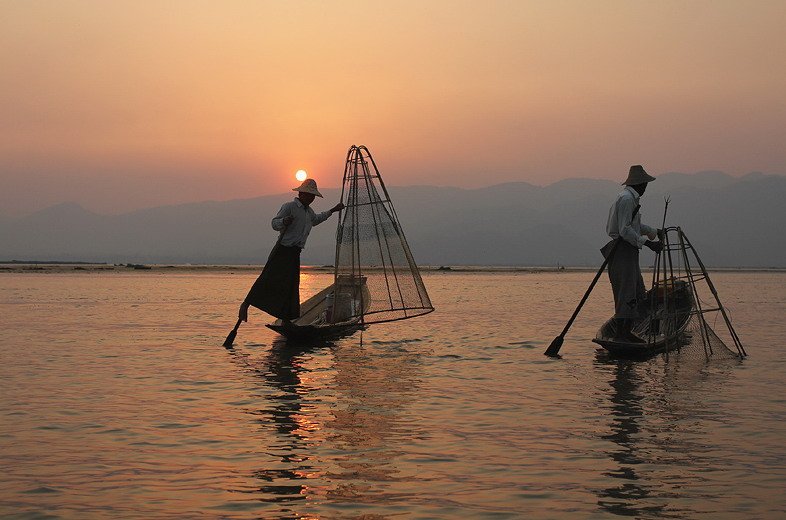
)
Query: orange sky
[{"x": 119, "y": 105}]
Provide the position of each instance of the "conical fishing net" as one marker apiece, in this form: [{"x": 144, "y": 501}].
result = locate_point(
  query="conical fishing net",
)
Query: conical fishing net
[
  {"x": 376, "y": 277},
  {"x": 689, "y": 304}
]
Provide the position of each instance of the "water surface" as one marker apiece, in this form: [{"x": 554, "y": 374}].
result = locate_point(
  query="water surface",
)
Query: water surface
[{"x": 118, "y": 401}]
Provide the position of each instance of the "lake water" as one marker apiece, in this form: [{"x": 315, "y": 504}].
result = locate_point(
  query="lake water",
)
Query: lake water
[{"x": 117, "y": 400}]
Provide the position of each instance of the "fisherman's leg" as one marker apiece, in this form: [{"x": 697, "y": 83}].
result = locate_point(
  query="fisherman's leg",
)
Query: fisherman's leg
[
  {"x": 623, "y": 282},
  {"x": 272, "y": 290},
  {"x": 290, "y": 308},
  {"x": 243, "y": 312},
  {"x": 628, "y": 277},
  {"x": 634, "y": 293},
  {"x": 615, "y": 278},
  {"x": 642, "y": 306}
]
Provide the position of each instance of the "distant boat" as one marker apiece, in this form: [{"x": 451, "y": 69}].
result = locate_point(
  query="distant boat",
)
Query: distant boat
[{"x": 375, "y": 277}]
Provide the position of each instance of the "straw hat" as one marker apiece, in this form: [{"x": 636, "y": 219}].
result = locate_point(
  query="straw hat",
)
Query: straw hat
[
  {"x": 308, "y": 186},
  {"x": 637, "y": 175}
]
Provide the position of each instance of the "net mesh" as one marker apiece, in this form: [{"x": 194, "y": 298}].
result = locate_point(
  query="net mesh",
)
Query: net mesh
[
  {"x": 700, "y": 341},
  {"x": 689, "y": 302},
  {"x": 376, "y": 276}
]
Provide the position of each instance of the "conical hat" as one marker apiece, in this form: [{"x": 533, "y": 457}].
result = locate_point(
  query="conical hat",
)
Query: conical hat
[
  {"x": 308, "y": 186},
  {"x": 637, "y": 175}
]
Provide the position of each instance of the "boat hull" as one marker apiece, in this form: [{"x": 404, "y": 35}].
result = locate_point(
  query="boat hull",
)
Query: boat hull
[
  {"x": 313, "y": 323},
  {"x": 314, "y": 332},
  {"x": 623, "y": 349},
  {"x": 668, "y": 310}
]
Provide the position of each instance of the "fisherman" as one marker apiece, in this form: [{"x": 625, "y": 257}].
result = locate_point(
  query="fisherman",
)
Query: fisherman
[
  {"x": 277, "y": 290},
  {"x": 625, "y": 228}
]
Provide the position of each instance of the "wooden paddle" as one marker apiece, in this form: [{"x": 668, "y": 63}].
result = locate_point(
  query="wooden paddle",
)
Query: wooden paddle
[
  {"x": 232, "y": 334},
  {"x": 556, "y": 344}
]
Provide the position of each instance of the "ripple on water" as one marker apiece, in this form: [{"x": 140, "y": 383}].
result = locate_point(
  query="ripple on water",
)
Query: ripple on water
[
  {"x": 41, "y": 490},
  {"x": 128, "y": 407}
]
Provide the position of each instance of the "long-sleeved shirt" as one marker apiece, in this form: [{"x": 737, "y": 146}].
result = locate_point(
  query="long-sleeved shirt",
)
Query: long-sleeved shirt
[
  {"x": 623, "y": 224},
  {"x": 296, "y": 233}
]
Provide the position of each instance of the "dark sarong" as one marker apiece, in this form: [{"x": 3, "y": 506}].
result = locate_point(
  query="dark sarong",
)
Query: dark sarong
[
  {"x": 277, "y": 290},
  {"x": 627, "y": 283}
]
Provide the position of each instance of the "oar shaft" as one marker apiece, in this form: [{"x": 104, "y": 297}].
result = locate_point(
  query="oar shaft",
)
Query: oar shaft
[
  {"x": 556, "y": 344},
  {"x": 590, "y": 288},
  {"x": 232, "y": 334}
]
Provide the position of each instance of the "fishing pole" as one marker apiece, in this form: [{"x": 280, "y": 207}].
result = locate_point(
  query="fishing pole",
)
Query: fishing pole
[
  {"x": 660, "y": 263},
  {"x": 663, "y": 230}
]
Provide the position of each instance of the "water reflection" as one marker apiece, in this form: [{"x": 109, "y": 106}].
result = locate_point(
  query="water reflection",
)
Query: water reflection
[
  {"x": 336, "y": 417},
  {"x": 374, "y": 384},
  {"x": 658, "y": 410},
  {"x": 627, "y": 410},
  {"x": 282, "y": 370}
]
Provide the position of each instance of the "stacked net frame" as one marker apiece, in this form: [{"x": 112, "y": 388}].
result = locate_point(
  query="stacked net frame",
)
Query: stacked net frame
[{"x": 374, "y": 265}]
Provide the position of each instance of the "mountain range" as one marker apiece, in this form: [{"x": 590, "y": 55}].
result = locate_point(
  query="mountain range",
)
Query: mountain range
[{"x": 732, "y": 221}]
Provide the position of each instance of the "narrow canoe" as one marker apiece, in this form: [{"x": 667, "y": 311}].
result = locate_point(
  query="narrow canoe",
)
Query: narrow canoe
[{"x": 666, "y": 314}]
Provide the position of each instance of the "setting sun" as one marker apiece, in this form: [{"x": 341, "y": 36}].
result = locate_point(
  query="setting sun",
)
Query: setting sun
[{"x": 301, "y": 175}]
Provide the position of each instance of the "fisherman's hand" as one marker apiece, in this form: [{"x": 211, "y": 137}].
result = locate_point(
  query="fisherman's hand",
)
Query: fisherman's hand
[
  {"x": 652, "y": 235},
  {"x": 656, "y": 247},
  {"x": 337, "y": 207},
  {"x": 287, "y": 220}
]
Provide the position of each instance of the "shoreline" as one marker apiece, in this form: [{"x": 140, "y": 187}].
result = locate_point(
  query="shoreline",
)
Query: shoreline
[{"x": 87, "y": 267}]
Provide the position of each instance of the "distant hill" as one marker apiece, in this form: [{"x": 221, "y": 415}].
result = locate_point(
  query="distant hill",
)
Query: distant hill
[{"x": 733, "y": 221}]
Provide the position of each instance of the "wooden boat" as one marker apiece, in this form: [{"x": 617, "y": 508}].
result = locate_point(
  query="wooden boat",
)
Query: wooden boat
[
  {"x": 674, "y": 317},
  {"x": 667, "y": 311},
  {"x": 332, "y": 313},
  {"x": 376, "y": 278}
]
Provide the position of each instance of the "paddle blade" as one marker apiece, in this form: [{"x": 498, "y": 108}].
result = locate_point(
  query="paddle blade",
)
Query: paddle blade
[
  {"x": 553, "y": 350},
  {"x": 230, "y": 338}
]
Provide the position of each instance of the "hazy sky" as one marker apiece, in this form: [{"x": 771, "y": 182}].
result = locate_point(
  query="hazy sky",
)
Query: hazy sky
[{"x": 120, "y": 105}]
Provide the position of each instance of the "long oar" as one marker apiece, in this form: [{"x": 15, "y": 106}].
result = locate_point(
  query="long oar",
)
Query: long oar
[
  {"x": 553, "y": 350},
  {"x": 232, "y": 334}
]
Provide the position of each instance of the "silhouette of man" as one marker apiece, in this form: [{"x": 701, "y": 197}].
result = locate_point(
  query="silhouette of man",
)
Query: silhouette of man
[
  {"x": 277, "y": 290},
  {"x": 624, "y": 225}
]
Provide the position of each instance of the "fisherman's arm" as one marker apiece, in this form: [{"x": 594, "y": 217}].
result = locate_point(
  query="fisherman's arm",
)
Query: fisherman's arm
[
  {"x": 319, "y": 218},
  {"x": 282, "y": 218},
  {"x": 625, "y": 209},
  {"x": 651, "y": 234},
  {"x": 649, "y": 231}
]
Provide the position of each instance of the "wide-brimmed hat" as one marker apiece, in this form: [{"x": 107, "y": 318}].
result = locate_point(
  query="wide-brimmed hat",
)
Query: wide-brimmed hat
[
  {"x": 308, "y": 186},
  {"x": 637, "y": 175}
]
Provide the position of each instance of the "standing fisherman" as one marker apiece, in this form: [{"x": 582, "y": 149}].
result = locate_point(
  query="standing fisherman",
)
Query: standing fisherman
[
  {"x": 624, "y": 225},
  {"x": 277, "y": 290}
]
